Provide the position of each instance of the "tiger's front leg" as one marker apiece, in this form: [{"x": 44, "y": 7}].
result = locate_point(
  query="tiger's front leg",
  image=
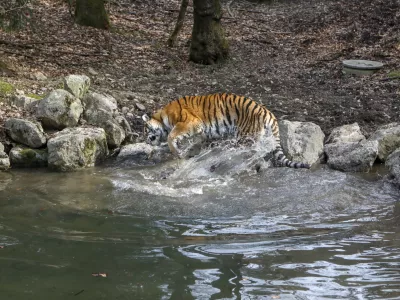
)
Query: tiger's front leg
[{"x": 181, "y": 131}]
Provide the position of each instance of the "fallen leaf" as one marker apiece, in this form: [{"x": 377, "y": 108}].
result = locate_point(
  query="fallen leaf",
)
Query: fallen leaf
[{"x": 99, "y": 274}]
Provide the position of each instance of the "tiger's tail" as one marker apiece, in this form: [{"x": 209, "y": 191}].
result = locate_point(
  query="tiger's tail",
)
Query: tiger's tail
[{"x": 282, "y": 160}]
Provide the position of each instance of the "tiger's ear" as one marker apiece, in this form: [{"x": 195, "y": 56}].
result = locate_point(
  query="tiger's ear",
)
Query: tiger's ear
[{"x": 146, "y": 118}]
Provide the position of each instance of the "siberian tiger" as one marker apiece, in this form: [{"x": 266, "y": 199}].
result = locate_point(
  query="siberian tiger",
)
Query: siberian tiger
[{"x": 214, "y": 116}]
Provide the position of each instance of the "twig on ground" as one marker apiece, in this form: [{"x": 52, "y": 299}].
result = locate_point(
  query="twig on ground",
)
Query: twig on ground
[
  {"x": 14, "y": 8},
  {"x": 18, "y": 53},
  {"x": 228, "y": 7},
  {"x": 390, "y": 78},
  {"x": 26, "y": 44}
]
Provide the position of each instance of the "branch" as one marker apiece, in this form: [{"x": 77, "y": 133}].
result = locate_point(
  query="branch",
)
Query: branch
[
  {"x": 74, "y": 53},
  {"x": 254, "y": 11},
  {"x": 19, "y": 53},
  {"x": 27, "y": 44},
  {"x": 228, "y": 7},
  {"x": 390, "y": 78},
  {"x": 15, "y": 8},
  {"x": 179, "y": 23}
]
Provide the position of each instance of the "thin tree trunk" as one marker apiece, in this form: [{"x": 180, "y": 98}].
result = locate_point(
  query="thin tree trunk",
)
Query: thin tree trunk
[
  {"x": 91, "y": 13},
  {"x": 179, "y": 23},
  {"x": 209, "y": 44}
]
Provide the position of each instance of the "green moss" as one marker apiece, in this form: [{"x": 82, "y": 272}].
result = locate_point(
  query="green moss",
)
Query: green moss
[
  {"x": 28, "y": 154},
  {"x": 89, "y": 151},
  {"x": 395, "y": 73},
  {"x": 60, "y": 85},
  {"x": 34, "y": 96},
  {"x": 6, "y": 88},
  {"x": 33, "y": 157}
]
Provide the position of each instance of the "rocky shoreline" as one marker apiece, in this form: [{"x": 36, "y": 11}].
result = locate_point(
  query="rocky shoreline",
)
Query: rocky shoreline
[{"x": 74, "y": 128}]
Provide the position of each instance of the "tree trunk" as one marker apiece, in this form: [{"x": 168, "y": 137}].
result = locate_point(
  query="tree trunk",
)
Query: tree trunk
[
  {"x": 209, "y": 44},
  {"x": 91, "y": 13},
  {"x": 179, "y": 23}
]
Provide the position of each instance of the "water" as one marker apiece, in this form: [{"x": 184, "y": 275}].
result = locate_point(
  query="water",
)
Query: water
[{"x": 206, "y": 228}]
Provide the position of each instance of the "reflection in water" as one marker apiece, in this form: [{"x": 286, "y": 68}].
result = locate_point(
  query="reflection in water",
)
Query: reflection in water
[{"x": 200, "y": 233}]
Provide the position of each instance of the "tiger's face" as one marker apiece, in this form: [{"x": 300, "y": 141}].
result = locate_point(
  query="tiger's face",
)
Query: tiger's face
[{"x": 156, "y": 133}]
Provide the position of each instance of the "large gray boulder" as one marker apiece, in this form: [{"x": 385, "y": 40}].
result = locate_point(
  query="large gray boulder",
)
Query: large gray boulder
[
  {"x": 302, "y": 141},
  {"x": 59, "y": 109},
  {"x": 77, "y": 148},
  {"x": 388, "y": 137},
  {"x": 25, "y": 132},
  {"x": 4, "y": 159},
  {"x": 115, "y": 133},
  {"x": 102, "y": 110},
  {"x": 99, "y": 108},
  {"x": 23, "y": 157},
  {"x": 352, "y": 157},
  {"x": 393, "y": 164},
  {"x": 346, "y": 134},
  {"x": 123, "y": 122},
  {"x": 77, "y": 85}
]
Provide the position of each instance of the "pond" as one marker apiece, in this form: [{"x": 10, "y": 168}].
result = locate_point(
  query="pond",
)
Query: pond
[{"x": 205, "y": 228}]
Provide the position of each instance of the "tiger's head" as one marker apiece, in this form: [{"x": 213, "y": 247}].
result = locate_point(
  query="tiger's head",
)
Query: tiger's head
[{"x": 156, "y": 133}]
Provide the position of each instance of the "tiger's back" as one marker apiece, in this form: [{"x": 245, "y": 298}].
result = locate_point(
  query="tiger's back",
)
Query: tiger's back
[{"x": 216, "y": 116}]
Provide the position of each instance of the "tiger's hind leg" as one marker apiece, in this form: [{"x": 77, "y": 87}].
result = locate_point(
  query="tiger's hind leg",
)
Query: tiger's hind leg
[{"x": 185, "y": 131}]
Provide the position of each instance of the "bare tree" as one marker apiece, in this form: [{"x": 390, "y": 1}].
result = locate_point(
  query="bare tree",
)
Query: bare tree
[
  {"x": 209, "y": 44},
  {"x": 179, "y": 23},
  {"x": 91, "y": 13}
]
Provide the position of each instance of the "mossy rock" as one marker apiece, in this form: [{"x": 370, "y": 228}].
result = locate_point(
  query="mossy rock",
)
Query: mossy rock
[
  {"x": 34, "y": 96},
  {"x": 395, "y": 73},
  {"x": 6, "y": 88},
  {"x": 22, "y": 157}
]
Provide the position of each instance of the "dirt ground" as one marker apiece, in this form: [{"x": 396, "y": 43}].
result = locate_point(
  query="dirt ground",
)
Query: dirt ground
[{"x": 286, "y": 54}]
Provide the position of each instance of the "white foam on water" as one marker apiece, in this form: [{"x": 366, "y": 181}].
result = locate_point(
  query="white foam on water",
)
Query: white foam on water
[{"x": 212, "y": 168}]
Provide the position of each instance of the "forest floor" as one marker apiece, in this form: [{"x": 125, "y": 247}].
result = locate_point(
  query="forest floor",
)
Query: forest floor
[{"x": 286, "y": 54}]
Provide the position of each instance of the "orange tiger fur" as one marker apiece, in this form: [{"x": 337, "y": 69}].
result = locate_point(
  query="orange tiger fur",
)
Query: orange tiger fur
[{"x": 215, "y": 116}]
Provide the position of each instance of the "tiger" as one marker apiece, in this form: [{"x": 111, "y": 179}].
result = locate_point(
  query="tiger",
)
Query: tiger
[{"x": 214, "y": 116}]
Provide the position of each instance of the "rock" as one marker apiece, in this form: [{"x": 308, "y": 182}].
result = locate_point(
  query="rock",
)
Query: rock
[
  {"x": 388, "y": 137},
  {"x": 130, "y": 116},
  {"x": 23, "y": 157},
  {"x": 142, "y": 154},
  {"x": 352, "y": 157},
  {"x": 92, "y": 71},
  {"x": 124, "y": 110},
  {"x": 393, "y": 164},
  {"x": 140, "y": 106},
  {"x": 77, "y": 148},
  {"x": 24, "y": 102},
  {"x": 77, "y": 85},
  {"x": 301, "y": 141},
  {"x": 59, "y": 109},
  {"x": 124, "y": 124},
  {"x": 115, "y": 133},
  {"x": 4, "y": 161},
  {"x": 99, "y": 108},
  {"x": 346, "y": 134},
  {"x": 25, "y": 132},
  {"x": 39, "y": 76},
  {"x": 102, "y": 111}
]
